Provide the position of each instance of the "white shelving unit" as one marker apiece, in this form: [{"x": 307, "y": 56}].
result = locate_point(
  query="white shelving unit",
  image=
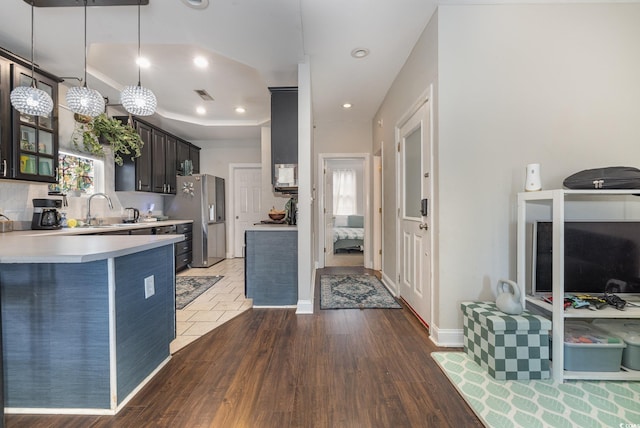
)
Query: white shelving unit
[{"x": 558, "y": 198}]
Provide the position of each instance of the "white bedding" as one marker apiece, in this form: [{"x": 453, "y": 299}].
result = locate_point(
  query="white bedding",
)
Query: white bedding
[{"x": 348, "y": 233}]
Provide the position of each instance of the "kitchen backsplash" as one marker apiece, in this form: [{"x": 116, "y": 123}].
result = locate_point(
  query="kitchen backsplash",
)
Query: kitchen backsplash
[{"x": 16, "y": 202}]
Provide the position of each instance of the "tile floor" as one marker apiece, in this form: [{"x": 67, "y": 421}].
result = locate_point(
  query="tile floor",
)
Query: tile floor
[{"x": 215, "y": 306}]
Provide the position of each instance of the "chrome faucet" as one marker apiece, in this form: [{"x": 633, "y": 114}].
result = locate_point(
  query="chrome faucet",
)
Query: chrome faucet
[{"x": 88, "y": 221}]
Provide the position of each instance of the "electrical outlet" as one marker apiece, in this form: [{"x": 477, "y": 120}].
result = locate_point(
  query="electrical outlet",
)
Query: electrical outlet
[{"x": 149, "y": 287}]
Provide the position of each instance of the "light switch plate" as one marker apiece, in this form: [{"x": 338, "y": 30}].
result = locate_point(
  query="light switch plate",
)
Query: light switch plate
[{"x": 149, "y": 287}]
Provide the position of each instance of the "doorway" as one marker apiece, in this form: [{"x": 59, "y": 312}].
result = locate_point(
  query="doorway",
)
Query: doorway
[
  {"x": 245, "y": 203},
  {"x": 415, "y": 203},
  {"x": 344, "y": 204}
]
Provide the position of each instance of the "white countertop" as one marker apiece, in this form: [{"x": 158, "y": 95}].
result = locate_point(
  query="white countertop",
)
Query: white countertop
[
  {"x": 87, "y": 230},
  {"x": 70, "y": 245}
]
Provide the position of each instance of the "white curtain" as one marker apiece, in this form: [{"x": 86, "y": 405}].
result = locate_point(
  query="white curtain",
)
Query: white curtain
[{"x": 344, "y": 192}]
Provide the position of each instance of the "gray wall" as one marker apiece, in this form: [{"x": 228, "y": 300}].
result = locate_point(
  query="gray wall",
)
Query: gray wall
[
  {"x": 554, "y": 84},
  {"x": 416, "y": 76}
]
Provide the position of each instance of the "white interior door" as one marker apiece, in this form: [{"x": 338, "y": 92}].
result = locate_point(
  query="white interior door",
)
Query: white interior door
[
  {"x": 414, "y": 164},
  {"x": 247, "y": 183}
]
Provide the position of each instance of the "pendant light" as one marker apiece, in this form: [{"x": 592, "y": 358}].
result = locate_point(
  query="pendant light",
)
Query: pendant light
[
  {"x": 138, "y": 100},
  {"x": 29, "y": 99},
  {"x": 81, "y": 99}
]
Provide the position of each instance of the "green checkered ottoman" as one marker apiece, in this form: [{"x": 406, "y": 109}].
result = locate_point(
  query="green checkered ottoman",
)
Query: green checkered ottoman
[{"x": 510, "y": 347}]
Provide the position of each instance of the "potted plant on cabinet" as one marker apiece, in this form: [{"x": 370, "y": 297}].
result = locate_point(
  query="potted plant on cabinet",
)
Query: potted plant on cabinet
[{"x": 93, "y": 134}]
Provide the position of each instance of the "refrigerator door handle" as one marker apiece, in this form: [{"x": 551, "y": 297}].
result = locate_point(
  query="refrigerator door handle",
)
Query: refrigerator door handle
[{"x": 212, "y": 212}]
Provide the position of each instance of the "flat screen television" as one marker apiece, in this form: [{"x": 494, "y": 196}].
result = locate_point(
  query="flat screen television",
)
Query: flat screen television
[{"x": 598, "y": 257}]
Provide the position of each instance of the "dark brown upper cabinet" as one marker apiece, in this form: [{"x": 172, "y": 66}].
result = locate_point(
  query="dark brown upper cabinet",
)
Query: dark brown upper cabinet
[
  {"x": 162, "y": 158},
  {"x": 28, "y": 144},
  {"x": 284, "y": 127}
]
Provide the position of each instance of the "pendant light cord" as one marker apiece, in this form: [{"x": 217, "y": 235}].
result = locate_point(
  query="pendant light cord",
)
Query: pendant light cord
[
  {"x": 138, "y": 60},
  {"x": 85, "y": 44},
  {"x": 33, "y": 67}
]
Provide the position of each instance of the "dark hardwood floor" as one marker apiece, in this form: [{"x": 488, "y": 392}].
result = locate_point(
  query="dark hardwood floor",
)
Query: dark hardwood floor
[{"x": 272, "y": 368}]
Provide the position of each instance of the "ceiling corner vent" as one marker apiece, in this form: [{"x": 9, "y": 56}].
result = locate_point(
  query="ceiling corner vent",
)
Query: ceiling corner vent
[{"x": 204, "y": 94}]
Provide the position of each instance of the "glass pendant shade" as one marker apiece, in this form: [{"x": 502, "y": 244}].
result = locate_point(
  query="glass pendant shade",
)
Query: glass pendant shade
[
  {"x": 138, "y": 101},
  {"x": 86, "y": 101},
  {"x": 81, "y": 99},
  {"x": 31, "y": 100}
]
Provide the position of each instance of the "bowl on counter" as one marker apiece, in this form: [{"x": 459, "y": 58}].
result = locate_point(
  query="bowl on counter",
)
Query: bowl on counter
[{"x": 276, "y": 216}]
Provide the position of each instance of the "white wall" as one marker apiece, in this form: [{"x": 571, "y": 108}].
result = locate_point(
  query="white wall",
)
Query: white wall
[
  {"x": 554, "y": 84},
  {"x": 215, "y": 156},
  {"x": 342, "y": 137},
  {"x": 419, "y": 71},
  {"x": 306, "y": 201}
]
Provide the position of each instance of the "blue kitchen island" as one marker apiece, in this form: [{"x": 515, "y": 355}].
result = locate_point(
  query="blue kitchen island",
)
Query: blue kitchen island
[
  {"x": 271, "y": 265},
  {"x": 86, "y": 320}
]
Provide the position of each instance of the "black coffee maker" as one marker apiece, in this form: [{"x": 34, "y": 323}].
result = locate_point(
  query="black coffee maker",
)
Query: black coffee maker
[{"x": 45, "y": 214}]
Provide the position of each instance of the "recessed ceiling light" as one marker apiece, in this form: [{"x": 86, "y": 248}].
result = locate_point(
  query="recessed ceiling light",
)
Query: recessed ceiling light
[
  {"x": 200, "y": 61},
  {"x": 240, "y": 110},
  {"x": 359, "y": 52},
  {"x": 143, "y": 62},
  {"x": 201, "y": 110},
  {"x": 346, "y": 105},
  {"x": 196, "y": 4}
]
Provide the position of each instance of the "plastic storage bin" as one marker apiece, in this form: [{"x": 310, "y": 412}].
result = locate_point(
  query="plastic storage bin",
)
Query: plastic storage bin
[
  {"x": 629, "y": 331},
  {"x": 588, "y": 348}
]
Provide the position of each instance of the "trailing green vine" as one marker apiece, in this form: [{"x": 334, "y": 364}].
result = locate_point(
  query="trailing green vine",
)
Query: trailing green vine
[{"x": 91, "y": 135}]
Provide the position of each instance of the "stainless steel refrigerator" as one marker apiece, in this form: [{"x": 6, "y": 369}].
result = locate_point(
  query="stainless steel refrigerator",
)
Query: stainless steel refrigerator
[{"x": 200, "y": 197}]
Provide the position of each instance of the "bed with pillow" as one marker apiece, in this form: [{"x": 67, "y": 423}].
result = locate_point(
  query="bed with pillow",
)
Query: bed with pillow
[{"x": 351, "y": 236}]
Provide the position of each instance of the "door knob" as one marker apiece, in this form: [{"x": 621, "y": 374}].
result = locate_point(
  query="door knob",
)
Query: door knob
[{"x": 424, "y": 226}]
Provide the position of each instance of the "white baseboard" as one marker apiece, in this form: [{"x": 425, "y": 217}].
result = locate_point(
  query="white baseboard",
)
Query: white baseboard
[
  {"x": 390, "y": 284},
  {"x": 305, "y": 307},
  {"x": 274, "y": 307},
  {"x": 447, "y": 338}
]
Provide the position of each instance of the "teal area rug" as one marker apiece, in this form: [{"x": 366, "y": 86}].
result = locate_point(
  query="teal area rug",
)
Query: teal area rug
[
  {"x": 354, "y": 292},
  {"x": 190, "y": 287},
  {"x": 541, "y": 403}
]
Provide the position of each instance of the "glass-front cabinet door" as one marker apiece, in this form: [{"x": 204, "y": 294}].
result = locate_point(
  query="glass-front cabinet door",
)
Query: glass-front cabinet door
[{"x": 35, "y": 137}]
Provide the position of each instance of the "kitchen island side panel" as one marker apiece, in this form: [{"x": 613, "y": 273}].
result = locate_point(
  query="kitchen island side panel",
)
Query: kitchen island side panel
[
  {"x": 144, "y": 326},
  {"x": 271, "y": 272},
  {"x": 55, "y": 332}
]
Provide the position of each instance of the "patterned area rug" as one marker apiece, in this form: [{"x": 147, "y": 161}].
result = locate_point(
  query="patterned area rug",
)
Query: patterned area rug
[
  {"x": 354, "y": 292},
  {"x": 190, "y": 287},
  {"x": 541, "y": 403}
]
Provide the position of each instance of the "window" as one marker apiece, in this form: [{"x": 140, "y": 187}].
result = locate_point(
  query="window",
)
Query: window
[
  {"x": 344, "y": 192},
  {"x": 76, "y": 175}
]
